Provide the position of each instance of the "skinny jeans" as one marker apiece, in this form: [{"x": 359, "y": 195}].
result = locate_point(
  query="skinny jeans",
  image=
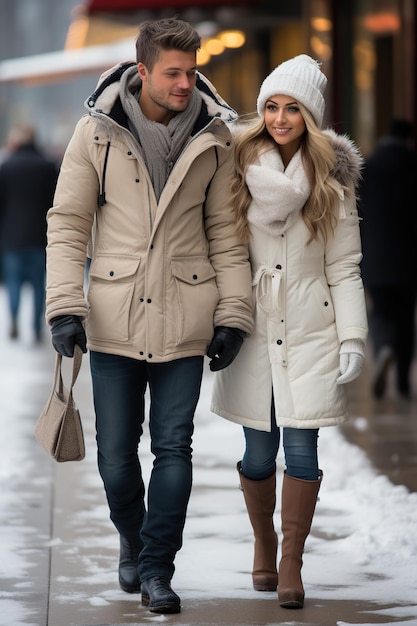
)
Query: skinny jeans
[
  {"x": 119, "y": 386},
  {"x": 300, "y": 451}
]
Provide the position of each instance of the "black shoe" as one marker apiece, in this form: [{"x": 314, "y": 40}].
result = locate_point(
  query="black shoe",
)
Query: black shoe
[
  {"x": 128, "y": 564},
  {"x": 158, "y": 596},
  {"x": 382, "y": 365},
  {"x": 404, "y": 391},
  {"x": 14, "y": 331}
]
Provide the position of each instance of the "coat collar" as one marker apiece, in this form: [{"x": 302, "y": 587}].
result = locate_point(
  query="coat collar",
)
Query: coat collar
[{"x": 105, "y": 96}]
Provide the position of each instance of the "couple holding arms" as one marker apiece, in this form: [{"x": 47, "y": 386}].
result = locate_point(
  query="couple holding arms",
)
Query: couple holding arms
[{"x": 208, "y": 235}]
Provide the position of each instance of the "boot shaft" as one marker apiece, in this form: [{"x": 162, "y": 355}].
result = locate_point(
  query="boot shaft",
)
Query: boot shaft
[
  {"x": 260, "y": 500},
  {"x": 299, "y": 498},
  {"x": 298, "y": 503}
]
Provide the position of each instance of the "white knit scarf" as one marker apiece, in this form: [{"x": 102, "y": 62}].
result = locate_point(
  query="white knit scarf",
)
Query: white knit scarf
[
  {"x": 278, "y": 193},
  {"x": 160, "y": 144}
]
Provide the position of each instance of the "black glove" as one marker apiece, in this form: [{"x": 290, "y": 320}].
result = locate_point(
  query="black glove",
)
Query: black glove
[
  {"x": 224, "y": 346},
  {"x": 67, "y": 330}
]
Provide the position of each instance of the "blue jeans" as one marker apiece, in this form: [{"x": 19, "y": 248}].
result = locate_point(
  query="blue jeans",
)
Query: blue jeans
[
  {"x": 20, "y": 266},
  {"x": 300, "y": 452},
  {"x": 119, "y": 385}
]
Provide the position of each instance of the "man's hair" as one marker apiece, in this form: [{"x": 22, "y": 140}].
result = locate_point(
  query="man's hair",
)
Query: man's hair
[
  {"x": 166, "y": 34},
  {"x": 21, "y": 135}
]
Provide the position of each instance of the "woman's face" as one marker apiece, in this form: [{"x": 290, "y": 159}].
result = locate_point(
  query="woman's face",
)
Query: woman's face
[{"x": 284, "y": 122}]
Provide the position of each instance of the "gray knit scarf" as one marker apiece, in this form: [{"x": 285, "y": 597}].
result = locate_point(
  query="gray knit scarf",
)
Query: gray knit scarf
[{"x": 160, "y": 145}]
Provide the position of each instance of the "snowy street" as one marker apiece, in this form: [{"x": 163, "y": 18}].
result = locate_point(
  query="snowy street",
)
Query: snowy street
[{"x": 59, "y": 551}]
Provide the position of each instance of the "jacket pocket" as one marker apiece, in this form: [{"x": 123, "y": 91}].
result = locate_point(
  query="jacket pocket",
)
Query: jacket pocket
[
  {"x": 197, "y": 298},
  {"x": 322, "y": 314},
  {"x": 110, "y": 294}
]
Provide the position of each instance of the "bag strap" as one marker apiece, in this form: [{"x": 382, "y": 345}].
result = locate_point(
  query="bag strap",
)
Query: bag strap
[{"x": 76, "y": 365}]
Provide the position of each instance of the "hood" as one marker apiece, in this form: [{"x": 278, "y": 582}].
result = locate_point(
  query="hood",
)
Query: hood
[
  {"x": 216, "y": 106},
  {"x": 349, "y": 161},
  {"x": 107, "y": 92}
]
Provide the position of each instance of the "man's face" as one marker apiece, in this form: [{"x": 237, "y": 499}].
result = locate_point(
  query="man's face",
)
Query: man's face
[{"x": 166, "y": 90}]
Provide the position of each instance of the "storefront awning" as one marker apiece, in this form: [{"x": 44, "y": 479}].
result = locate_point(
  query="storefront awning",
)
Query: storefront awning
[
  {"x": 65, "y": 64},
  {"x": 92, "y": 6}
]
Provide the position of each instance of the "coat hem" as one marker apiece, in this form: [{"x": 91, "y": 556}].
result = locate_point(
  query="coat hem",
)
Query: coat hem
[
  {"x": 134, "y": 354},
  {"x": 287, "y": 422}
]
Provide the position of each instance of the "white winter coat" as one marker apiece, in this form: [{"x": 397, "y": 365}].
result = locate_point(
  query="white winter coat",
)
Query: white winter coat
[{"x": 309, "y": 299}]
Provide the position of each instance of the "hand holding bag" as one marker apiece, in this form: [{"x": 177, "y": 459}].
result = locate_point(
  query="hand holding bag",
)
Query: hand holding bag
[{"x": 59, "y": 429}]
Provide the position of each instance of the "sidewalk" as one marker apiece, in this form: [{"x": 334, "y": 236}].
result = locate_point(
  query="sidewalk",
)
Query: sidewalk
[
  {"x": 385, "y": 429},
  {"x": 64, "y": 558}
]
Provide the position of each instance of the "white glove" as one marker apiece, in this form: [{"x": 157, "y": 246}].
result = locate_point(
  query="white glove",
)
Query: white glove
[{"x": 350, "y": 367}]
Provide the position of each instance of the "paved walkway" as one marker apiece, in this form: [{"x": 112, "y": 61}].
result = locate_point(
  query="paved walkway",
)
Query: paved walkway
[
  {"x": 385, "y": 429},
  {"x": 85, "y": 542}
]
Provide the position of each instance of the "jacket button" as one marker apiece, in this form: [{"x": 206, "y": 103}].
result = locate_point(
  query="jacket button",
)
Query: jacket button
[
  {"x": 141, "y": 299},
  {"x": 149, "y": 356},
  {"x": 141, "y": 352},
  {"x": 279, "y": 341},
  {"x": 278, "y": 267},
  {"x": 111, "y": 273},
  {"x": 326, "y": 303},
  {"x": 148, "y": 300},
  {"x": 129, "y": 153},
  {"x": 195, "y": 276}
]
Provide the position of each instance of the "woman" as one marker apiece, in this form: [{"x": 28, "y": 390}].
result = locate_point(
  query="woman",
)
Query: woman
[{"x": 295, "y": 202}]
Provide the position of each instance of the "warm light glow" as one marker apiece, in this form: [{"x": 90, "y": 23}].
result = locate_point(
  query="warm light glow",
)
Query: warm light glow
[
  {"x": 382, "y": 22},
  {"x": 365, "y": 64},
  {"x": 214, "y": 46},
  {"x": 232, "y": 38},
  {"x": 203, "y": 57},
  {"x": 321, "y": 49},
  {"x": 322, "y": 24}
]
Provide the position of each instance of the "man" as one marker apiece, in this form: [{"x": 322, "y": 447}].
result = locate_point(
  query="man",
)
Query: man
[
  {"x": 27, "y": 185},
  {"x": 147, "y": 177},
  {"x": 389, "y": 235}
]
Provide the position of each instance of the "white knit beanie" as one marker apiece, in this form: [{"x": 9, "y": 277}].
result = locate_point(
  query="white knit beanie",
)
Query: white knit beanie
[{"x": 302, "y": 79}]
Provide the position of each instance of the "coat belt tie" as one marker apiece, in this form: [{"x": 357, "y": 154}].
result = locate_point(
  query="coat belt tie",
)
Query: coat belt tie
[{"x": 267, "y": 283}]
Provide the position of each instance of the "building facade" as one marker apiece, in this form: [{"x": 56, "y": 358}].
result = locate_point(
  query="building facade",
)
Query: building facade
[{"x": 52, "y": 52}]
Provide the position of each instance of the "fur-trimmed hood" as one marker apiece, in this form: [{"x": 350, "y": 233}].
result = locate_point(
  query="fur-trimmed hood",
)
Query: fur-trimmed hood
[
  {"x": 106, "y": 93},
  {"x": 349, "y": 160}
]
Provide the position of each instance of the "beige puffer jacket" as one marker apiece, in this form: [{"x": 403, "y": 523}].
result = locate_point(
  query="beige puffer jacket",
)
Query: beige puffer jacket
[{"x": 162, "y": 275}]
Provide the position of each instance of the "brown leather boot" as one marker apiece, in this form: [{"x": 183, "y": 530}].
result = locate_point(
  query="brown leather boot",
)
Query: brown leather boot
[
  {"x": 260, "y": 499},
  {"x": 299, "y": 499}
]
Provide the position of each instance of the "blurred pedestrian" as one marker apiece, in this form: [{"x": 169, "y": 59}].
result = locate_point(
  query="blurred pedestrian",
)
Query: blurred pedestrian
[
  {"x": 27, "y": 184},
  {"x": 148, "y": 173},
  {"x": 294, "y": 193},
  {"x": 389, "y": 239}
]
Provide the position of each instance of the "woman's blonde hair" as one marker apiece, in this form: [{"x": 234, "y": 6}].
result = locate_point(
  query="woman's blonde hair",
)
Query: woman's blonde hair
[{"x": 319, "y": 160}]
